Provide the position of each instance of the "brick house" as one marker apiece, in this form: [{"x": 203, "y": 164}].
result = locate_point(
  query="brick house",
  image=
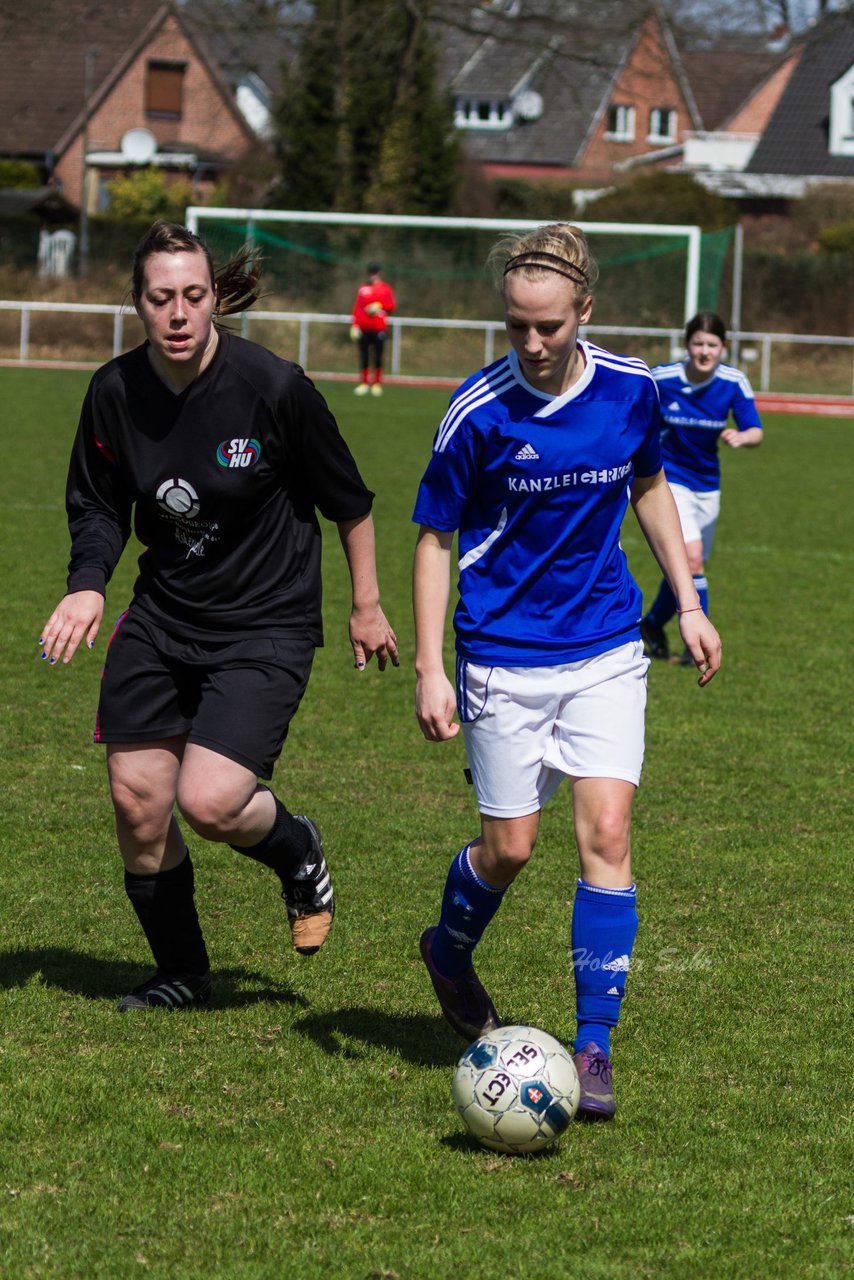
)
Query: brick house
[
  {"x": 559, "y": 97},
  {"x": 809, "y": 138},
  {"x": 154, "y": 94},
  {"x": 737, "y": 86},
  {"x": 793, "y": 130}
]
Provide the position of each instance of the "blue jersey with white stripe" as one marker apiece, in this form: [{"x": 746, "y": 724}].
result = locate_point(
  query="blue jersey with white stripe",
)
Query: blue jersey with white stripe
[
  {"x": 537, "y": 486},
  {"x": 695, "y": 414}
]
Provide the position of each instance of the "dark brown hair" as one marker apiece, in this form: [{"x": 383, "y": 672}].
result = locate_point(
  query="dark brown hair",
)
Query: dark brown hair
[
  {"x": 237, "y": 284},
  {"x": 705, "y": 322}
]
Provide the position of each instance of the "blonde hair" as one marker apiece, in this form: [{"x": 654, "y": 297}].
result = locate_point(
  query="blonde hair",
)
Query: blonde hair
[
  {"x": 237, "y": 284},
  {"x": 559, "y": 248}
]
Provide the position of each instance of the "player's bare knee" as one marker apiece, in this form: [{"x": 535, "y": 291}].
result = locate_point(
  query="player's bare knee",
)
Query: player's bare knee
[
  {"x": 608, "y": 837},
  {"x": 212, "y": 814},
  {"x": 143, "y": 815},
  {"x": 503, "y": 854}
]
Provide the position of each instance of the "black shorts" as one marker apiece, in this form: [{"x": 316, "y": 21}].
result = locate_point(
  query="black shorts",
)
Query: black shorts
[{"x": 236, "y": 697}]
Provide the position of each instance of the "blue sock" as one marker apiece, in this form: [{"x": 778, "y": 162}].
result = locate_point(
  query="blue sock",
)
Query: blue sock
[
  {"x": 701, "y": 586},
  {"x": 468, "y": 905},
  {"x": 604, "y": 924},
  {"x": 663, "y": 606}
]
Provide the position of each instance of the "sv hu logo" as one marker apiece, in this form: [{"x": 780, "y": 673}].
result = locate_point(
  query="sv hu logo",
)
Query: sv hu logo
[{"x": 239, "y": 452}]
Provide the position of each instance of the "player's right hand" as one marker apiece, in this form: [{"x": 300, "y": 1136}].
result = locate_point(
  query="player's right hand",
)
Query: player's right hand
[{"x": 77, "y": 616}]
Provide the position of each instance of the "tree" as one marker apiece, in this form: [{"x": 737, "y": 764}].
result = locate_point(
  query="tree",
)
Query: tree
[
  {"x": 361, "y": 124},
  {"x": 145, "y": 193},
  {"x": 667, "y": 198},
  {"x": 18, "y": 175}
]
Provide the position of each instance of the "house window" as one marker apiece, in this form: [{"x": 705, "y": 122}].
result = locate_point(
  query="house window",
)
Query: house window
[
  {"x": 164, "y": 90},
  {"x": 662, "y": 125},
  {"x": 841, "y": 140},
  {"x": 621, "y": 123},
  {"x": 483, "y": 113}
]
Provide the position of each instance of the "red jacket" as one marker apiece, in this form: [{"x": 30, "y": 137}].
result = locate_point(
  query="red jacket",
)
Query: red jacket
[{"x": 373, "y": 321}]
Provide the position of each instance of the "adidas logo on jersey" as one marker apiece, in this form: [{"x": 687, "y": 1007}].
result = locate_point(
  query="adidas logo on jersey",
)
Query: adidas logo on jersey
[
  {"x": 613, "y": 991},
  {"x": 527, "y": 454},
  {"x": 675, "y": 405}
]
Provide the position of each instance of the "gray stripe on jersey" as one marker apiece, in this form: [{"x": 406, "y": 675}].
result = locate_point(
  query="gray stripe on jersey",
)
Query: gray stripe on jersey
[{"x": 482, "y": 392}]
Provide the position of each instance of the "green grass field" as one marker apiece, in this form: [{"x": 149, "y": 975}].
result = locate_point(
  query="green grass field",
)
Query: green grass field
[{"x": 302, "y": 1126}]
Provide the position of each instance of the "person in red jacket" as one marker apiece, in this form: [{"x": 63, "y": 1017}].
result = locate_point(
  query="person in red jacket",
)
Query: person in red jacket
[{"x": 374, "y": 303}]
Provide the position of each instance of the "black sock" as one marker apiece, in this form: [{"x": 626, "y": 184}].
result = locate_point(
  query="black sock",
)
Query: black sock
[
  {"x": 285, "y": 845},
  {"x": 165, "y": 909}
]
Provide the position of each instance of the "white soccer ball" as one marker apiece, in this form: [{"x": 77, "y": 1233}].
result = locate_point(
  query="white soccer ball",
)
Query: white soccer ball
[{"x": 516, "y": 1089}]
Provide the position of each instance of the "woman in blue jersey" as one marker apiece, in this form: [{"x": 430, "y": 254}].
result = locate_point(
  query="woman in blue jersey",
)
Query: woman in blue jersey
[
  {"x": 533, "y": 466},
  {"x": 697, "y": 397}
]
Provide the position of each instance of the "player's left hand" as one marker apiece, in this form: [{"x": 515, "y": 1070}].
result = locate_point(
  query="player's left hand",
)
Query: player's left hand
[
  {"x": 703, "y": 642},
  {"x": 371, "y": 633},
  {"x": 732, "y": 437}
]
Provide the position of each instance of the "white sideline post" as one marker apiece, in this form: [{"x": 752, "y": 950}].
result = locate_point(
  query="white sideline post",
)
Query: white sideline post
[{"x": 692, "y": 234}]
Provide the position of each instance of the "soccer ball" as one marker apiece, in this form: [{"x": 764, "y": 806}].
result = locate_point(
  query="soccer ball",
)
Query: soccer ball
[{"x": 516, "y": 1089}]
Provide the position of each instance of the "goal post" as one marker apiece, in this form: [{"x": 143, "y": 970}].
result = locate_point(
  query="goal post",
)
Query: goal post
[{"x": 268, "y": 228}]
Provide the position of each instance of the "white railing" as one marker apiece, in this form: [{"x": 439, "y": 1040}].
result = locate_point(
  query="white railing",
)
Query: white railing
[{"x": 745, "y": 348}]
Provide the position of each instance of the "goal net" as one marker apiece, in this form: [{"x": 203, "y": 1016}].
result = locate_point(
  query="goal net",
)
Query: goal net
[{"x": 649, "y": 274}]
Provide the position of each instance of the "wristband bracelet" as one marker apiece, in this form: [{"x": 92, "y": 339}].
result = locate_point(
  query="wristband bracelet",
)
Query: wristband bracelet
[{"x": 697, "y": 609}]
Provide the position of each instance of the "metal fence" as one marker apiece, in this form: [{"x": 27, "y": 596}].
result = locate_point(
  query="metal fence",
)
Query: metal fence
[{"x": 775, "y": 362}]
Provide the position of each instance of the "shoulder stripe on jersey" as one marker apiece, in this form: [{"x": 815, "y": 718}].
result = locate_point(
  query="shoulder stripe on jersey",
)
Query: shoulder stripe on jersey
[
  {"x": 601, "y": 353},
  {"x": 668, "y": 371},
  {"x": 476, "y": 552},
  {"x": 481, "y": 392},
  {"x": 637, "y": 368},
  {"x": 730, "y": 374}
]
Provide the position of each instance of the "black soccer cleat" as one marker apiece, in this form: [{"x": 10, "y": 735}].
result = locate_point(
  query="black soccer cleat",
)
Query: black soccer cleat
[
  {"x": 463, "y": 1000},
  {"x": 654, "y": 640},
  {"x": 165, "y": 991},
  {"x": 309, "y": 896}
]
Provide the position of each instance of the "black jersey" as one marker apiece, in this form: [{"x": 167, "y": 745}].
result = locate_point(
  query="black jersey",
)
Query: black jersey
[{"x": 223, "y": 481}]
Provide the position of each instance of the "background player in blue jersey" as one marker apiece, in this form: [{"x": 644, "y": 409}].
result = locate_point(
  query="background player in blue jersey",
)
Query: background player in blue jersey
[
  {"x": 534, "y": 465},
  {"x": 697, "y": 397},
  {"x": 219, "y": 453}
]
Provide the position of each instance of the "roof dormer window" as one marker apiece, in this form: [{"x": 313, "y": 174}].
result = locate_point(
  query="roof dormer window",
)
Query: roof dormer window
[
  {"x": 483, "y": 113},
  {"x": 841, "y": 141}
]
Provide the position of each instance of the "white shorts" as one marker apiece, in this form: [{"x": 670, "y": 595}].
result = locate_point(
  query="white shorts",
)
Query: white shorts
[
  {"x": 527, "y": 728},
  {"x": 698, "y": 513}
]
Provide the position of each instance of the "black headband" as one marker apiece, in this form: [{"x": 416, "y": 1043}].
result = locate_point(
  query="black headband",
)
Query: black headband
[{"x": 568, "y": 269}]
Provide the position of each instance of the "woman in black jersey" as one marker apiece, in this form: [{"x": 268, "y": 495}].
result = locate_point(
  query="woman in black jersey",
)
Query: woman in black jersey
[{"x": 221, "y": 453}]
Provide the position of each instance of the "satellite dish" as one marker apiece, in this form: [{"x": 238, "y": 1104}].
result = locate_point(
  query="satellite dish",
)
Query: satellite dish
[
  {"x": 139, "y": 146},
  {"x": 529, "y": 105}
]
